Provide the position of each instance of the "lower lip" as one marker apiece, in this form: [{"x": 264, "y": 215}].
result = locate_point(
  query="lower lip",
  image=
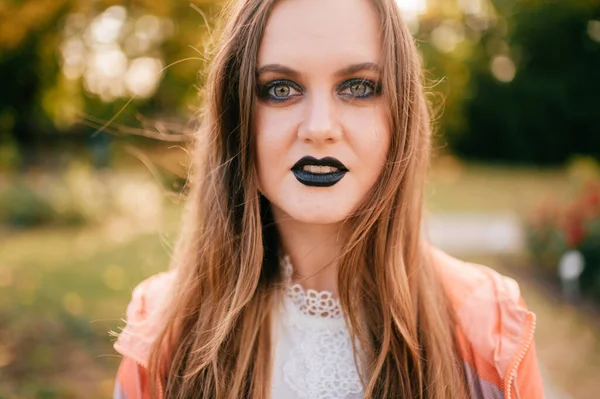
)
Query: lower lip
[{"x": 318, "y": 180}]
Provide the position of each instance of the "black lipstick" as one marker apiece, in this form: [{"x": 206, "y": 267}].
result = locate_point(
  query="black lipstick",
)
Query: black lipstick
[{"x": 319, "y": 179}]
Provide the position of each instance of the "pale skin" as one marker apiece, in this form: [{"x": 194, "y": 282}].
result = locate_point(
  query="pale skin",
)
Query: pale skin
[{"x": 319, "y": 95}]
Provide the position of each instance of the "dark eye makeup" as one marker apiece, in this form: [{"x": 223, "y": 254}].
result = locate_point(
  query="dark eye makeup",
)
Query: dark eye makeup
[
  {"x": 359, "y": 88},
  {"x": 279, "y": 90},
  {"x": 283, "y": 90}
]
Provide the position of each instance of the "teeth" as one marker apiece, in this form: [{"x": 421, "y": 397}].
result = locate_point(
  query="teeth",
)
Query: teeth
[{"x": 318, "y": 169}]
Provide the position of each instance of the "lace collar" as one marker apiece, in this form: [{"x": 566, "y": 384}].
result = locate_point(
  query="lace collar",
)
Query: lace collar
[{"x": 318, "y": 304}]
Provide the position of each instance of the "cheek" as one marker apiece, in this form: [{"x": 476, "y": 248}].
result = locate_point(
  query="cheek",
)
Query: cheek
[
  {"x": 272, "y": 128},
  {"x": 272, "y": 141},
  {"x": 370, "y": 137}
]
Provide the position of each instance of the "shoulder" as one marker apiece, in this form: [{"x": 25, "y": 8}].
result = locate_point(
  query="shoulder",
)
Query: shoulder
[
  {"x": 144, "y": 317},
  {"x": 493, "y": 322},
  {"x": 466, "y": 282}
]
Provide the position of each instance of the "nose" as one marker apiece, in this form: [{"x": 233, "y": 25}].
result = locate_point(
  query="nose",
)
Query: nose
[{"x": 320, "y": 124}]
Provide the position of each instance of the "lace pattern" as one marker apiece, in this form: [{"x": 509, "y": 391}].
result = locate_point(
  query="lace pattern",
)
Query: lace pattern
[
  {"x": 320, "y": 362},
  {"x": 311, "y": 302},
  {"x": 321, "y": 366}
]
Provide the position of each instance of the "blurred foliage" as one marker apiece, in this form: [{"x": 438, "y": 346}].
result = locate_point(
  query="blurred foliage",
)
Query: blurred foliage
[
  {"x": 43, "y": 103},
  {"x": 22, "y": 206},
  {"x": 77, "y": 195},
  {"x": 554, "y": 228},
  {"x": 513, "y": 79},
  {"x": 535, "y": 88}
]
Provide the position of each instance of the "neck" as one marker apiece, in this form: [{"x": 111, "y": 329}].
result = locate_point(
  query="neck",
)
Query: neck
[{"x": 314, "y": 250}]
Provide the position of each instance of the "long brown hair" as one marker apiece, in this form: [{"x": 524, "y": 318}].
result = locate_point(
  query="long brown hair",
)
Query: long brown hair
[{"x": 216, "y": 341}]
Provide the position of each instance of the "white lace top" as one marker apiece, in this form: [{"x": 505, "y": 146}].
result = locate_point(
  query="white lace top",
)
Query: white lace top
[{"x": 313, "y": 356}]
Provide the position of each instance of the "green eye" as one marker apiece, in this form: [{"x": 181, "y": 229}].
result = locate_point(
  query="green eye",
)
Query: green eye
[
  {"x": 280, "y": 90},
  {"x": 359, "y": 88}
]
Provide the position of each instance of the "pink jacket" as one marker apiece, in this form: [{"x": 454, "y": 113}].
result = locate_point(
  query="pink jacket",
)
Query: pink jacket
[{"x": 494, "y": 329}]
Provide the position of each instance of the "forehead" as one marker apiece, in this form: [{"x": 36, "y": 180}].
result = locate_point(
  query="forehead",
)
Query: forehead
[{"x": 323, "y": 32}]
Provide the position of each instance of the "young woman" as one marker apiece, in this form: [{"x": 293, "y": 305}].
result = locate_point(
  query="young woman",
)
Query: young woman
[{"x": 302, "y": 271}]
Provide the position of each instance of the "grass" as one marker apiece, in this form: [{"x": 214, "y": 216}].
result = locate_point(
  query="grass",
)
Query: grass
[
  {"x": 61, "y": 292},
  {"x": 457, "y": 187},
  {"x": 63, "y": 289}
]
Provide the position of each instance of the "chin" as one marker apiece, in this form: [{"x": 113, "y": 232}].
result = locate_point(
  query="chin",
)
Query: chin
[
  {"x": 312, "y": 205},
  {"x": 311, "y": 213},
  {"x": 319, "y": 218}
]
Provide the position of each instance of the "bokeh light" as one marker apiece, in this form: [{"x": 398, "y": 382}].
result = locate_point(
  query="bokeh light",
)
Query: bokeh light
[
  {"x": 448, "y": 35},
  {"x": 594, "y": 30},
  {"x": 503, "y": 68},
  {"x": 116, "y": 54},
  {"x": 412, "y": 6}
]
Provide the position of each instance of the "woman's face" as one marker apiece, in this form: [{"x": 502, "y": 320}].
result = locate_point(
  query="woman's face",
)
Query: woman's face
[{"x": 321, "y": 124}]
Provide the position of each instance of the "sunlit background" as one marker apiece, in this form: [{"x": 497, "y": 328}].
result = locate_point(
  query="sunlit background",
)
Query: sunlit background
[{"x": 96, "y": 107}]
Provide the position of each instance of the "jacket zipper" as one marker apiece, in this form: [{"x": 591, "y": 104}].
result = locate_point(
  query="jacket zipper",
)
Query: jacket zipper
[{"x": 520, "y": 355}]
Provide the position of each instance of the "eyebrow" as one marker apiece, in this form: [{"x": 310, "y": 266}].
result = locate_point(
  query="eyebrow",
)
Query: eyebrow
[
  {"x": 277, "y": 68},
  {"x": 349, "y": 70},
  {"x": 364, "y": 66}
]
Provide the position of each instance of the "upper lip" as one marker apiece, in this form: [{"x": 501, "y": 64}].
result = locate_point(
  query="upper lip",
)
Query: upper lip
[{"x": 327, "y": 161}]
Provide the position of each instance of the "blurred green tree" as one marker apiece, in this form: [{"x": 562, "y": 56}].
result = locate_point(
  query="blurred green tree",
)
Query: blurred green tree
[
  {"x": 27, "y": 32},
  {"x": 535, "y": 84},
  {"x": 64, "y": 62}
]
